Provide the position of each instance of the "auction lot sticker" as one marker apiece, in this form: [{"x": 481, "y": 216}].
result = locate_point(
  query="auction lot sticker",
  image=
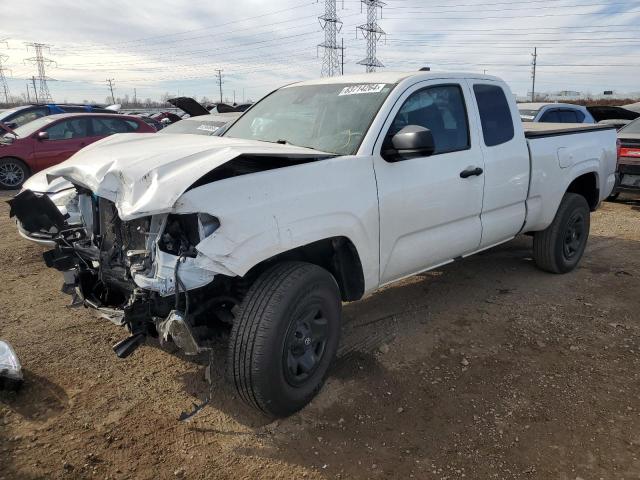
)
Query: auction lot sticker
[{"x": 364, "y": 88}]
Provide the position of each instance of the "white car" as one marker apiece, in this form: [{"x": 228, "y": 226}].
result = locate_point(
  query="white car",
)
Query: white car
[
  {"x": 321, "y": 193},
  {"x": 554, "y": 113}
]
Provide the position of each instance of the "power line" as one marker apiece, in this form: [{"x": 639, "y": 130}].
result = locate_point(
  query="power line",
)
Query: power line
[
  {"x": 40, "y": 61},
  {"x": 331, "y": 25},
  {"x": 372, "y": 34}
]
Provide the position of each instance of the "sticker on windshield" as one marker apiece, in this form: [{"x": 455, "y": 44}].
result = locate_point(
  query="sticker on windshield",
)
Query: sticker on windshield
[
  {"x": 208, "y": 128},
  {"x": 364, "y": 88}
]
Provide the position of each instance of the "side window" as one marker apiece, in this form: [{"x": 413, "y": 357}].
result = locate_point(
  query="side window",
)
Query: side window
[
  {"x": 495, "y": 114},
  {"x": 22, "y": 118},
  {"x": 103, "y": 126},
  {"x": 569, "y": 116},
  {"x": 442, "y": 110},
  {"x": 551, "y": 116},
  {"x": 579, "y": 116},
  {"x": 68, "y": 129}
]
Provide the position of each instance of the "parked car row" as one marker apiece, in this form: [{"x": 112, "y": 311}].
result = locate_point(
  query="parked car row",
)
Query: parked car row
[
  {"x": 33, "y": 138},
  {"x": 18, "y": 116}
]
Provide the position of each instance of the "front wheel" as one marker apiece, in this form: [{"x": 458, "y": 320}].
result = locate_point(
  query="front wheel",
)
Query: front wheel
[
  {"x": 559, "y": 248},
  {"x": 13, "y": 173},
  {"x": 285, "y": 337}
]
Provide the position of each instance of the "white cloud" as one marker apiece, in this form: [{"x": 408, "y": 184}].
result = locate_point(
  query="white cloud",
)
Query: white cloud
[{"x": 176, "y": 46}]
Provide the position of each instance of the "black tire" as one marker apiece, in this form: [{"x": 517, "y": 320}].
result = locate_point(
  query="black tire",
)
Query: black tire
[
  {"x": 276, "y": 363},
  {"x": 13, "y": 173},
  {"x": 559, "y": 248}
]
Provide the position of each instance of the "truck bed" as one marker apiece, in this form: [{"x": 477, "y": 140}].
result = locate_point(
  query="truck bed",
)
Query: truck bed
[
  {"x": 537, "y": 130},
  {"x": 560, "y": 152}
]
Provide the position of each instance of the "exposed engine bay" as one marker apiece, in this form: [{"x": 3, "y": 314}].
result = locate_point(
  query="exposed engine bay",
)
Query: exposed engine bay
[{"x": 130, "y": 271}]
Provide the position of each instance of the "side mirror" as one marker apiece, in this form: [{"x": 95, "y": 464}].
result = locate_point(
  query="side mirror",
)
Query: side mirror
[
  {"x": 12, "y": 125},
  {"x": 43, "y": 135},
  {"x": 410, "y": 142}
]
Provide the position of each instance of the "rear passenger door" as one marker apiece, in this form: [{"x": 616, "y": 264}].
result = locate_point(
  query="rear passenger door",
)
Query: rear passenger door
[
  {"x": 103, "y": 126},
  {"x": 506, "y": 160},
  {"x": 429, "y": 214}
]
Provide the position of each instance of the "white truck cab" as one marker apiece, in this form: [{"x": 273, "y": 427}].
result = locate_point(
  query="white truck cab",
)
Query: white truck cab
[{"x": 322, "y": 192}]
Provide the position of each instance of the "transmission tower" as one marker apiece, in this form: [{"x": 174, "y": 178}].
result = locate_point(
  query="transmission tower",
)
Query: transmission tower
[
  {"x": 40, "y": 61},
  {"x": 372, "y": 33},
  {"x": 4, "y": 86},
  {"x": 331, "y": 25}
]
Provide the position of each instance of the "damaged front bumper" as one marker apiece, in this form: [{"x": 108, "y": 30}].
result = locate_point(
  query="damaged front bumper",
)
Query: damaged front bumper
[{"x": 139, "y": 273}]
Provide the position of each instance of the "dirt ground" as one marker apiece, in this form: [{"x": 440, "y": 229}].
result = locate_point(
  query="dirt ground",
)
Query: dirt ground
[{"x": 487, "y": 368}]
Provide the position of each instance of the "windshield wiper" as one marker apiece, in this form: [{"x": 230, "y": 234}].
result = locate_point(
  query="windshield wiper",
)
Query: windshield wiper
[{"x": 282, "y": 141}]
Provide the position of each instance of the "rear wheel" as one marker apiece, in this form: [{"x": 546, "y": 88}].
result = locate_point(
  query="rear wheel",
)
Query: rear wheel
[
  {"x": 13, "y": 173},
  {"x": 285, "y": 337},
  {"x": 559, "y": 248}
]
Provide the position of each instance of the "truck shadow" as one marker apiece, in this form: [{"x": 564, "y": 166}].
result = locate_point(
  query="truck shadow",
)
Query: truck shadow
[
  {"x": 404, "y": 314},
  {"x": 372, "y": 323}
]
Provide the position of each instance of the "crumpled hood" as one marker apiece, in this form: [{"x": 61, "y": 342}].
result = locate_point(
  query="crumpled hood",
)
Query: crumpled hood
[{"x": 145, "y": 174}]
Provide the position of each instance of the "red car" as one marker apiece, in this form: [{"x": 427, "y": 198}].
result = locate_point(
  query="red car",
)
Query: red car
[{"x": 50, "y": 140}]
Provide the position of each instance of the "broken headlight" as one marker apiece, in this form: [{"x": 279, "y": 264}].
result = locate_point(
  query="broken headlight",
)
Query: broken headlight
[
  {"x": 60, "y": 199},
  {"x": 183, "y": 232}
]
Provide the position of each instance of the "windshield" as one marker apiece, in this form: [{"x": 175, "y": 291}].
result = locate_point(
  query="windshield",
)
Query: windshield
[
  {"x": 196, "y": 127},
  {"x": 528, "y": 115},
  {"x": 31, "y": 127},
  {"x": 332, "y": 118},
  {"x": 633, "y": 127}
]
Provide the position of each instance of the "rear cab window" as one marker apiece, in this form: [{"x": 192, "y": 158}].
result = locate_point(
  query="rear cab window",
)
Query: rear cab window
[{"x": 495, "y": 114}]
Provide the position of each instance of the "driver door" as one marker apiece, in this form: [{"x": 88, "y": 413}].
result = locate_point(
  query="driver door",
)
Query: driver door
[{"x": 429, "y": 214}]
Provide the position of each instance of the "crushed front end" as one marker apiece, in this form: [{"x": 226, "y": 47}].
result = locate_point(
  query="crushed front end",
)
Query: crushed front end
[{"x": 145, "y": 274}]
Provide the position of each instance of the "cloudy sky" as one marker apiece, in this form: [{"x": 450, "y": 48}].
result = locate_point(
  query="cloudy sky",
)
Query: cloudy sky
[{"x": 176, "y": 46}]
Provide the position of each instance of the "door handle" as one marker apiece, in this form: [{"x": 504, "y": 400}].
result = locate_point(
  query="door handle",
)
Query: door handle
[{"x": 470, "y": 172}]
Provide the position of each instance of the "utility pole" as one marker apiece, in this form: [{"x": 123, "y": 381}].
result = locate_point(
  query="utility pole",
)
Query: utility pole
[
  {"x": 35, "y": 92},
  {"x": 28, "y": 94},
  {"x": 342, "y": 55},
  {"x": 110, "y": 84},
  {"x": 40, "y": 62},
  {"x": 219, "y": 75},
  {"x": 372, "y": 33},
  {"x": 4, "y": 86},
  {"x": 135, "y": 97},
  {"x": 331, "y": 25},
  {"x": 533, "y": 73}
]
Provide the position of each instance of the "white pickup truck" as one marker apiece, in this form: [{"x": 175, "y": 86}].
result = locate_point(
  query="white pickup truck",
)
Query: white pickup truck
[{"x": 319, "y": 194}]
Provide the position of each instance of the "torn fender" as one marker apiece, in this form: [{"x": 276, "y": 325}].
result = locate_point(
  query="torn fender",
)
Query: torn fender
[
  {"x": 271, "y": 212},
  {"x": 146, "y": 174}
]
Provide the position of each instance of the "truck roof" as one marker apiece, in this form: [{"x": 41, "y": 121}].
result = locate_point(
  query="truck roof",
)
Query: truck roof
[{"x": 392, "y": 77}]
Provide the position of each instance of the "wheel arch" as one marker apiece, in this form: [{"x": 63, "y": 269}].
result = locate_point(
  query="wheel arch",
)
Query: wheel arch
[
  {"x": 337, "y": 254},
  {"x": 29, "y": 170},
  {"x": 587, "y": 186},
  {"x": 24, "y": 162}
]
